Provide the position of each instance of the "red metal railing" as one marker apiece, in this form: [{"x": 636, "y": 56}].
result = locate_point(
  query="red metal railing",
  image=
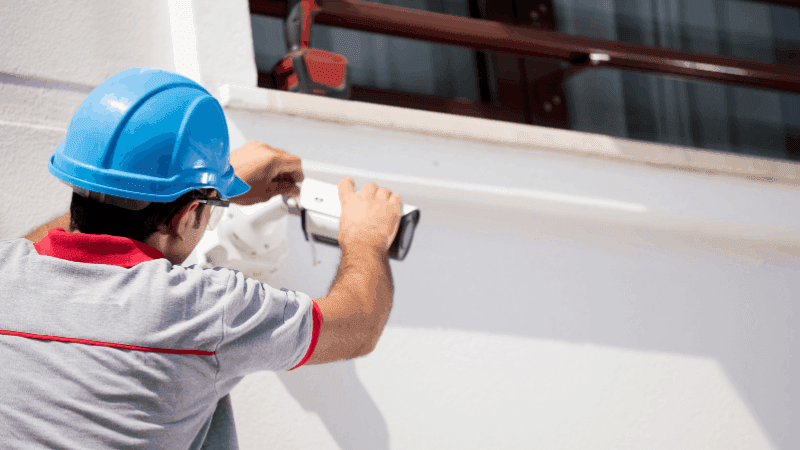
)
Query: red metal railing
[{"x": 580, "y": 52}]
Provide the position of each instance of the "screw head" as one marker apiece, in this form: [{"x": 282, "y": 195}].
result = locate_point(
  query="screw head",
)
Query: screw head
[
  {"x": 556, "y": 100},
  {"x": 548, "y": 107},
  {"x": 534, "y": 15},
  {"x": 543, "y": 8}
]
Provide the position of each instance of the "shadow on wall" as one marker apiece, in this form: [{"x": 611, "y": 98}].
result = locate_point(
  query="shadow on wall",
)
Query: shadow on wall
[{"x": 337, "y": 396}]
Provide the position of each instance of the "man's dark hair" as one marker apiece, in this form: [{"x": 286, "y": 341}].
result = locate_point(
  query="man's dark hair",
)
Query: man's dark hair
[{"x": 93, "y": 217}]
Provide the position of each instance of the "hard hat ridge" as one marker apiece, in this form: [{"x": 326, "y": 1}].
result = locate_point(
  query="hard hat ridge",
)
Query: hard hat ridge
[{"x": 147, "y": 135}]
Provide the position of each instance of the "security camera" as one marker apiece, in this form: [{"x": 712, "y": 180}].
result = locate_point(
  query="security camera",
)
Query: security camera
[{"x": 320, "y": 208}]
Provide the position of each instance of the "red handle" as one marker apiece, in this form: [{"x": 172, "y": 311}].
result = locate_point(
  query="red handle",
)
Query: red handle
[{"x": 309, "y": 6}]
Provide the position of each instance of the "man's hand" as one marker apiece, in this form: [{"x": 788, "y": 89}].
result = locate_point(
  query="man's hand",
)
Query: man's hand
[
  {"x": 370, "y": 217},
  {"x": 269, "y": 172}
]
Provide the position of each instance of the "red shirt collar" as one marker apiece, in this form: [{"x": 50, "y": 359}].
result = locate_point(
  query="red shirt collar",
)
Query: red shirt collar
[{"x": 96, "y": 248}]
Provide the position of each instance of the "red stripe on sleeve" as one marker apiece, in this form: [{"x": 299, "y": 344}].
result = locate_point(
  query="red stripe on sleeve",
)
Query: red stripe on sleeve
[
  {"x": 106, "y": 344},
  {"x": 317, "y": 313}
]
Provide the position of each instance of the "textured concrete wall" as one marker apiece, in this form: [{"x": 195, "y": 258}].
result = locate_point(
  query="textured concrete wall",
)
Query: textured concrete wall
[
  {"x": 83, "y": 41},
  {"x": 33, "y": 119},
  {"x": 525, "y": 315}
]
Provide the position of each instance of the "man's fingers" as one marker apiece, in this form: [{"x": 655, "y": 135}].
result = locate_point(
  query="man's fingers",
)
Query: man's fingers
[
  {"x": 287, "y": 169},
  {"x": 297, "y": 175},
  {"x": 369, "y": 190},
  {"x": 293, "y": 166},
  {"x": 383, "y": 194},
  {"x": 285, "y": 187},
  {"x": 346, "y": 188},
  {"x": 292, "y": 191}
]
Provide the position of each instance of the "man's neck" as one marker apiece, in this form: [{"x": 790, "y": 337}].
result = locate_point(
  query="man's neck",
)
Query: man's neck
[{"x": 41, "y": 232}]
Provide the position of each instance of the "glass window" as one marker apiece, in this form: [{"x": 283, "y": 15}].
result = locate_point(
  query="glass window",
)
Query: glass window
[
  {"x": 606, "y": 101},
  {"x": 707, "y": 115}
]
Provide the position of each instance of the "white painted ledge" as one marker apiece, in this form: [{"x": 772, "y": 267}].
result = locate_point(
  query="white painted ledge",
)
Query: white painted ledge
[
  {"x": 510, "y": 134},
  {"x": 623, "y": 216}
]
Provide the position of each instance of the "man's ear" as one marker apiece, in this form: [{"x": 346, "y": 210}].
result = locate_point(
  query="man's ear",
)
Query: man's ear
[{"x": 183, "y": 220}]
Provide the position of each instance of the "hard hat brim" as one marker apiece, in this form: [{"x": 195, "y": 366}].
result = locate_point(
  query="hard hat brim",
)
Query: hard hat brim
[
  {"x": 237, "y": 188},
  {"x": 160, "y": 190}
]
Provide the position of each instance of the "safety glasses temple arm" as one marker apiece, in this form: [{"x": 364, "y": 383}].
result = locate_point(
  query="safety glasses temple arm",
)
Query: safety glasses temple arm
[{"x": 215, "y": 202}]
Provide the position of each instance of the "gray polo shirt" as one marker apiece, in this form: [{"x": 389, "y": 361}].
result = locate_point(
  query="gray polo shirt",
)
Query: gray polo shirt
[{"x": 104, "y": 344}]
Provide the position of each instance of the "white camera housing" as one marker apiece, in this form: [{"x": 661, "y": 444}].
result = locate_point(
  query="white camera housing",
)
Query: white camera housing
[{"x": 320, "y": 209}]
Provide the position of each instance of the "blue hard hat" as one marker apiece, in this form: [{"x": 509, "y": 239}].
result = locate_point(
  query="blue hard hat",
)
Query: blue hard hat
[{"x": 148, "y": 135}]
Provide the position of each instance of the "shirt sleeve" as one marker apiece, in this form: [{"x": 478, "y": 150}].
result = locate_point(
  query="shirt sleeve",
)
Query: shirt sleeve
[{"x": 264, "y": 328}]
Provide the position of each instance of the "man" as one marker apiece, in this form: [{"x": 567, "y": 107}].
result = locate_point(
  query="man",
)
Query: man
[{"x": 106, "y": 342}]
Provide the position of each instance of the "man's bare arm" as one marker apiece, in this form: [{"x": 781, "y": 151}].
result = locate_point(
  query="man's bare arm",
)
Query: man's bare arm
[
  {"x": 357, "y": 307},
  {"x": 40, "y": 233}
]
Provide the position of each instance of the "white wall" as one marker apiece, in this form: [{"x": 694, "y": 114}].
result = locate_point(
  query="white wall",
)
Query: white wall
[
  {"x": 700, "y": 277},
  {"x": 83, "y": 41},
  {"x": 519, "y": 321}
]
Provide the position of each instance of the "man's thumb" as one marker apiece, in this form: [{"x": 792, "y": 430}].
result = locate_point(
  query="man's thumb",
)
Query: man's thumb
[{"x": 346, "y": 187}]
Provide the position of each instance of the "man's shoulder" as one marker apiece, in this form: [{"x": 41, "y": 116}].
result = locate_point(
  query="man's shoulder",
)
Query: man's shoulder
[
  {"x": 22, "y": 242},
  {"x": 197, "y": 273},
  {"x": 15, "y": 248}
]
